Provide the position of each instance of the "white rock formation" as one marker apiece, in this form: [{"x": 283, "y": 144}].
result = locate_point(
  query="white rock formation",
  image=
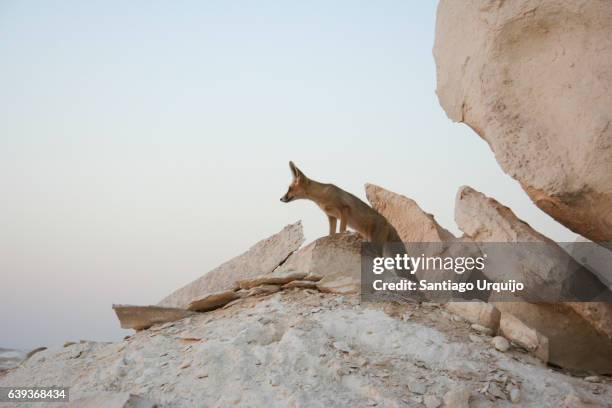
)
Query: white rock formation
[
  {"x": 533, "y": 79},
  {"x": 306, "y": 349},
  {"x": 409, "y": 220}
]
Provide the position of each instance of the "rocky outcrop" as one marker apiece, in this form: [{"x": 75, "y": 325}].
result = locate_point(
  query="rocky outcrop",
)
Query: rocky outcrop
[
  {"x": 579, "y": 334},
  {"x": 261, "y": 259},
  {"x": 409, "y": 220},
  {"x": 329, "y": 264},
  {"x": 532, "y": 78},
  {"x": 303, "y": 348}
]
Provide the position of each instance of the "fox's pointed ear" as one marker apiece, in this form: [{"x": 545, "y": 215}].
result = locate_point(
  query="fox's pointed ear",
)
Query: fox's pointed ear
[{"x": 297, "y": 173}]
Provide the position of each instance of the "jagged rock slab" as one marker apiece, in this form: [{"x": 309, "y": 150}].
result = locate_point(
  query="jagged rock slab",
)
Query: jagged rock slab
[
  {"x": 532, "y": 78},
  {"x": 143, "y": 317},
  {"x": 484, "y": 219},
  {"x": 578, "y": 333},
  {"x": 261, "y": 259},
  {"x": 410, "y": 221},
  {"x": 538, "y": 262},
  {"x": 421, "y": 234},
  {"x": 212, "y": 301},
  {"x": 112, "y": 400}
]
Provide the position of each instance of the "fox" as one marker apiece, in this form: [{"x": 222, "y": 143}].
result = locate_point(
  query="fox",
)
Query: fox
[
  {"x": 341, "y": 205},
  {"x": 353, "y": 213}
]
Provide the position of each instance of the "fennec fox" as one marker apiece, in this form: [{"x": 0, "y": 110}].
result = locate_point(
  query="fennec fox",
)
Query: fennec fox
[{"x": 338, "y": 204}]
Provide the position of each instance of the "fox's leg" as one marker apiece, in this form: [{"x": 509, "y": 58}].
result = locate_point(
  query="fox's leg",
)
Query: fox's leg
[
  {"x": 332, "y": 224},
  {"x": 343, "y": 219}
]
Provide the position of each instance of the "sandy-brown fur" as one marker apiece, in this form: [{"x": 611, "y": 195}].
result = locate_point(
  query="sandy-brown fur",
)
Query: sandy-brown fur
[{"x": 338, "y": 204}]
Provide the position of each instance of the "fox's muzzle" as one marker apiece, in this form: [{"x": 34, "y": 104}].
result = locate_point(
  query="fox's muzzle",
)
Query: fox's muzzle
[{"x": 285, "y": 199}]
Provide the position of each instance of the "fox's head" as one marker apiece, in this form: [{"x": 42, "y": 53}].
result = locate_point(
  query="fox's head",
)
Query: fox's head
[{"x": 297, "y": 188}]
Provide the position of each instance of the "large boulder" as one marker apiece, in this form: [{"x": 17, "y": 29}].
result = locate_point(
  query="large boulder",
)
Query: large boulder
[
  {"x": 579, "y": 333},
  {"x": 335, "y": 259},
  {"x": 261, "y": 259},
  {"x": 532, "y": 78}
]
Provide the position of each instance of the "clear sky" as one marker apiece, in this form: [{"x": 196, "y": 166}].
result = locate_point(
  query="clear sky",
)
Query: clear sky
[{"x": 143, "y": 143}]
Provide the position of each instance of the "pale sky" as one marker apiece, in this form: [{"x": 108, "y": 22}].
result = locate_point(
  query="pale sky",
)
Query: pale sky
[{"x": 143, "y": 143}]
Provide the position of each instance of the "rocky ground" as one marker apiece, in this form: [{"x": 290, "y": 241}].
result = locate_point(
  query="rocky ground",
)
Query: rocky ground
[{"x": 302, "y": 348}]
